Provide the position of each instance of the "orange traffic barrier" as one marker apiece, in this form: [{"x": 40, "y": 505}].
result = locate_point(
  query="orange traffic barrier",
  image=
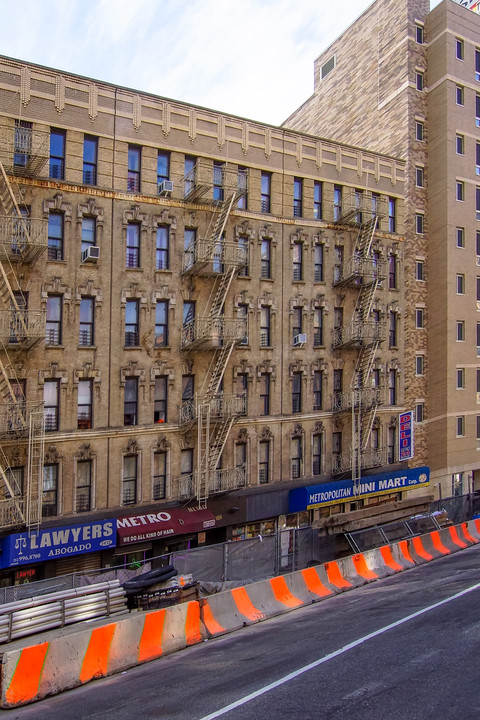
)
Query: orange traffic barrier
[
  {"x": 386, "y": 553},
  {"x": 403, "y": 547},
  {"x": 467, "y": 535},
  {"x": 192, "y": 624},
  {"x": 362, "y": 568},
  {"x": 245, "y": 605},
  {"x": 456, "y": 540},
  {"x": 26, "y": 678},
  {"x": 213, "y": 627},
  {"x": 437, "y": 543},
  {"x": 420, "y": 550},
  {"x": 151, "y": 640},
  {"x": 95, "y": 662},
  {"x": 283, "y": 594},
  {"x": 335, "y": 577},
  {"x": 314, "y": 584}
]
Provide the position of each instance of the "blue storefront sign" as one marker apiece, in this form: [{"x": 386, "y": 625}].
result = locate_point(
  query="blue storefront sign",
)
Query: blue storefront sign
[
  {"x": 333, "y": 493},
  {"x": 59, "y": 542}
]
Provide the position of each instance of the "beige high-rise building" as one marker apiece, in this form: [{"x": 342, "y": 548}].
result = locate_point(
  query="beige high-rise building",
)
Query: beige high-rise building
[
  {"x": 406, "y": 81},
  {"x": 206, "y": 311}
]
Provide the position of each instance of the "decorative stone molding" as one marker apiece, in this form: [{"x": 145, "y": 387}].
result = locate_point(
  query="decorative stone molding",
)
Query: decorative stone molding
[
  {"x": 298, "y": 301},
  {"x": 25, "y": 82},
  {"x": 56, "y": 204},
  {"x": 243, "y": 368},
  {"x": 53, "y": 373},
  {"x": 266, "y": 368},
  {"x": 242, "y": 435},
  {"x": 268, "y": 232},
  {"x": 164, "y": 219},
  {"x": 299, "y": 236},
  {"x": 161, "y": 444},
  {"x": 132, "y": 447},
  {"x": 243, "y": 230},
  {"x": 59, "y": 93},
  {"x": 267, "y": 299},
  {"x": 134, "y": 215},
  {"x": 320, "y": 238},
  {"x": 137, "y": 112},
  {"x": 318, "y": 302},
  {"x": 52, "y": 455},
  {"x": 133, "y": 293},
  {"x": 88, "y": 290},
  {"x": 160, "y": 369},
  {"x": 297, "y": 366},
  {"x": 85, "y": 452},
  {"x": 164, "y": 293},
  {"x": 89, "y": 209},
  {"x": 55, "y": 286},
  {"x": 92, "y": 101},
  {"x": 297, "y": 431},
  {"x": 132, "y": 370},
  {"x": 319, "y": 366},
  {"x": 244, "y": 299},
  {"x": 318, "y": 428},
  {"x": 265, "y": 434}
]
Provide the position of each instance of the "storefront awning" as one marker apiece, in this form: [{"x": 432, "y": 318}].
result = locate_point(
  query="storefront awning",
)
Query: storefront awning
[{"x": 164, "y": 523}]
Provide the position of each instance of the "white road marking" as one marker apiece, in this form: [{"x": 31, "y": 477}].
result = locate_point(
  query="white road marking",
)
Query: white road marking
[{"x": 340, "y": 651}]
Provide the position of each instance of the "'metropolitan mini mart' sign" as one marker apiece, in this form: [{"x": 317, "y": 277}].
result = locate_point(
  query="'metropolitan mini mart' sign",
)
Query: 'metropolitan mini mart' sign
[
  {"x": 333, "y": 493},
  {"x": 470, "y": 4}
]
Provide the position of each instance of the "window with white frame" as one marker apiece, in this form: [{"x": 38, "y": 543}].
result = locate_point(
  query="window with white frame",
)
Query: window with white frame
[
  {"x": 460, "y": 378},
  {"x": 460, "y": 425},
  {"x": 460, "y": 236}
]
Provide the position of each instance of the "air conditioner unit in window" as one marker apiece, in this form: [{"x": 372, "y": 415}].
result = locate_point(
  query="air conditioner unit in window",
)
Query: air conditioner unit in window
[
  {"x": 300, "y": 339},
  {"x": 91, "y": 254},
  {"x": 165, "y": 187}
]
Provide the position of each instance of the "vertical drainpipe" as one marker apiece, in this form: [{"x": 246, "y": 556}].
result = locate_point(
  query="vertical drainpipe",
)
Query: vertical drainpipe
[
  {"x": 282, "y": 299},
  {"x": 109, "y": 385}
]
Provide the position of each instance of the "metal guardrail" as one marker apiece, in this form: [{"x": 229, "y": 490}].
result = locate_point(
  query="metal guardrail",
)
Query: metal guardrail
[{"x": 34, "y": 615}]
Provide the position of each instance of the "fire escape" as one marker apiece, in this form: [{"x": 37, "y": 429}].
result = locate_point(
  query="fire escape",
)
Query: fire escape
[
  {"x": 363, "y": 272},
  {"x": 217, "y": 261},
  {"x": 23, "y": 153}
]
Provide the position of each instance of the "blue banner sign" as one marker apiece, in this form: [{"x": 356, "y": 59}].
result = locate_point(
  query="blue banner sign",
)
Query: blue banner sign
[
  {"x": 405, "y": 436},
  {"x": 59, "y": 542},
  {"x": 334, "y": 493}
]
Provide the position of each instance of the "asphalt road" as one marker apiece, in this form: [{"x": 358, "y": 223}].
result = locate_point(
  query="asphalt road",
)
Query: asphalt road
[{"x": 403, "y": 648}]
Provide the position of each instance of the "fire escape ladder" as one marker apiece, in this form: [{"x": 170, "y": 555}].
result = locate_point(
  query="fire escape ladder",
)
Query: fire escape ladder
[
  {"x": 36, "y": 445},
  {"x": 366, "y": 233},
  {"x": 203, "y": 452},
  {"x": 12, "y": 511},
  {"x": 221, "y": 218},
  {"x": 14, "y": 405}
]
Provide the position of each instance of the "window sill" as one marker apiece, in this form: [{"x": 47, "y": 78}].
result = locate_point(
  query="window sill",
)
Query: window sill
[
  {"x": 53, "y": 260},
  {"x": 265, "y": 279},
  {"x": 56, "y": 347},
  {"x": 134, "y": 269},
  {"x": 132, "y": 347},
  {"x": 87, "y": 347},
  {"x": 167, "y": 271}
]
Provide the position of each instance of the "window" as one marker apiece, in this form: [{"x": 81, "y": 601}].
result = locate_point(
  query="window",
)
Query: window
[
  {"x": 297, "y": 262},
  {"x": 460, "y": 190},
  {"x": 159, "y": 475},
  {"x": 131, "y": 323},
  {"x": 55, "y": 236},
  {"x": 419, "y": 270},
  {"x": 478, "y": 292},
  {"x": 57, "y": 154},
  {"x": 188, "y": 312},
  {"x": 241, "y": 388},
  {"x": 317, "y": 454},
  {"x": 419, "y": 364},
  {"x": 50, "y": 491},
  {"x": 478, "y": 431},
  {"x": 129, "y": 480},
  {"x": 186, "y": 469},
  {"x": 478, "y": 339},
  {"x": 188, "y": 394},
  {"x": 163, "y": 167},
  {"x": 460, "y": 284},
  {"x": 161, "y": 323},
  {"x": 420, "y": 80},
  {"x": 189, "y": 244},
  {"x": 328, "y": 66},
  {"x": 478, "y": 380},
  {"x": 419, "y": 223},
  {"x": 317, "y": 200},
  {"x": 457, "y": 484},
  {"x": 51, "y": 408},
  {"x": 190, "y": 173},
  {"x": 266, "y": 182},
  {"x": 419, "y": 317},
  {"x": 460, "y": 235},
  {"x": 130, "y": 401},
  {"x": 419, "y": 130},
  {"x": 296, "y": 392},
  {"x": 392, "y": 272},
  {"x": 317, "y": 390},
  {"x": 477, "y": 202},
  {"x": 265, "y": 330},
  {"x": 241, "y": 460},
  {"x": 337, "y": 449},
  {"x": 160, "y": 399},
  {"x": 337, "y": 202},
  {"x": 460, "y": 94},
  {"x": 242, "y": 314},
  {"x": 460, "y": 378},
  {"x": 419, "y": 412},
  {"x": 460, "y": 330},
  {"x": 22, "y": 143},
  {"x": 134, "y": 166},
  {"x": 477, "y": 158},
  {"x": 460, "y": 422},
  {"x": 460, "y": 144},
  {"x": 265, "y": 394},
  {"x": 87, "y": 320},
  {"x": 392, "y": 333},
  {"x": 53, "y": 328},
  {"x": 243, "y": 254},
  {"x": 242, "y": 203},
  {"x": 392, "y": 387},
  {"x": 318, "y": 260},
  {"x": 218, "y": 170},
  {"x": 419, "y": 34},
  {"x": 264, "y": 461},
  {"x": 477, "y": 110},
  {"x": 297, "y": 197},
  {"x": 297, "y": 322},
  {"x": 477, "y": 64},
  {"x": 83, "y": 496},
  {"x": 459, "y": 49},
  {"x": 391, "y": 444},
  {"x": 162, "y": 249},
  {"x": 420, "y": 176},
  {"x": 266, "y": 260},
  {"x": 90, "y": 153},
  {"x": 133, "y": 245},
  {"x": 89, "y": 232},
  {"x": 296, "y": 458},
  {"x": 84, "y": 411},
  {"x": 15, "y": 477},
  {"x": 318, "y": 327},
  {"x": 392, "y": 215},
  {"x": 337, "y": 387}
]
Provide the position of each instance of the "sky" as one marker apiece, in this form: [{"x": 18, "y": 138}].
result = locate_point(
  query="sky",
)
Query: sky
[{"x": 252, "y": 58}]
